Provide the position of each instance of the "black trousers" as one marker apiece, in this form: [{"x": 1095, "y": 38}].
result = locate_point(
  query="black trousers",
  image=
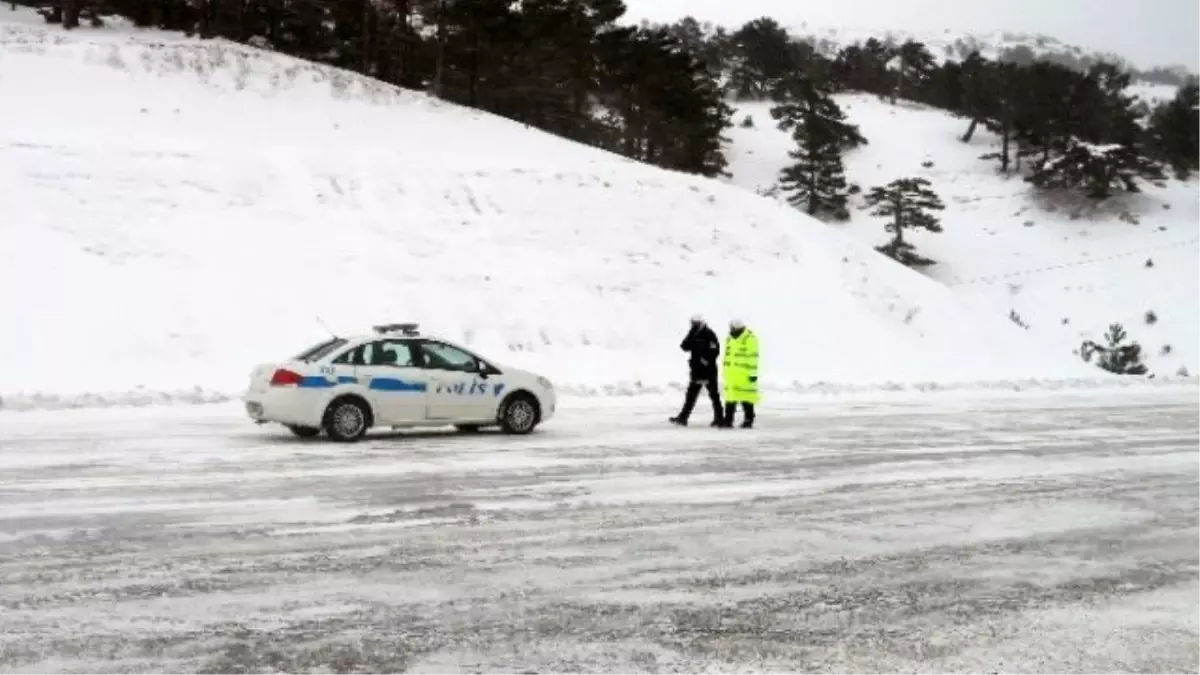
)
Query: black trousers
[
  {"x": 693, "y": 393},
  {"x": 747, "y": 413}
]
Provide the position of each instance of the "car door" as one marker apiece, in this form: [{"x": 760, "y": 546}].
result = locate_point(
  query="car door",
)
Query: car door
[
  {"x": 395, "y": 386},
  {"x": 458, "y": 391}
]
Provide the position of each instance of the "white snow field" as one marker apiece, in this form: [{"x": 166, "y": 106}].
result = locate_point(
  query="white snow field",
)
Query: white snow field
[
  {"x": 175, "y": 211},
  {"x": 1037, "y": 534},
  {"x": 1067, "y": 271}
]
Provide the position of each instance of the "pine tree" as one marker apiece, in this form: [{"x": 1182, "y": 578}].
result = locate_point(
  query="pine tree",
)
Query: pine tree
[
  {"x": 550, "y": 70},
  {"x": 698, "y": 39},
  {"x": 816, "y": 181},
  {"x": 914, "y": 68},
  {"x": 1108, "y": 113},
  {"x": 663, "y": 106},
  {"x": 908, "y": 202},
  {"x": 1097, "y": 170},
  {"x": 1115, "y": 357},
  {"x": 863, "y": 67},
  {"x": 478, "y": 39},
  {"x": 1000, "y": 110},
  {"x": 1174, "y": 131},
  {"x": 944, "y": 89},
  {"x": 1047, "y": 109},
  {"x": 978, "y": 97},
  {"x": 764, "y": 56},
  {"x": 1083, "y": 132}
]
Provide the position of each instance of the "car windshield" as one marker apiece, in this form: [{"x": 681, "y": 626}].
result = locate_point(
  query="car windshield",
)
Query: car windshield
[{"x": 320, "y": 350}]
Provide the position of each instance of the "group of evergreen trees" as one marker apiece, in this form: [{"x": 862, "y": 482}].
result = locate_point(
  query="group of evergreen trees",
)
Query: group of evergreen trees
[
  {"x": 657, "y": 93},
  {"x": 1060, "y": 128}
]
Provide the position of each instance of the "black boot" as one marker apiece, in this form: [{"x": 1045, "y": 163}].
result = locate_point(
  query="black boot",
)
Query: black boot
[
  {"x": 727, "y": 419},
  {"x": 748, "y": 413},
  {"x": 678, "y": 420}
]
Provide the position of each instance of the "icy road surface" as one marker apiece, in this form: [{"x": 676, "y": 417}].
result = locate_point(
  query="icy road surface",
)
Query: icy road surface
[{"x": 1049, "y": 534}]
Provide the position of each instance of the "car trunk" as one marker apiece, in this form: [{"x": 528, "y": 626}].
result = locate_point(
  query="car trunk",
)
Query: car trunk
[{"x": 260, "y": 378}]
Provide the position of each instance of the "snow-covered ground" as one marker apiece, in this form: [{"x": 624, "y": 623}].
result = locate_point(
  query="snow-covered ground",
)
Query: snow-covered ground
[
  {"x": 176, "y": 211},
  {"x": 1047, "y": 534},
  {"x": 1153, "y": 94},
  {"x": 1066, "y": 272}
]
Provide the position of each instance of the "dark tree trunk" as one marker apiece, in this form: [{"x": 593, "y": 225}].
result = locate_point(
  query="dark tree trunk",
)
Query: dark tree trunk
[
  {"x": 405, "y": 41},
  {"x": 473, "y": 80},
  {"x": 208, "y": 12},
  {"x": 365, "y": 67},
  {"x": 966, "y": 138},
  {"x": 1005, "y": 132},
  {"x": 440, "y": 67},
  {"x": 70, "y": 17}
]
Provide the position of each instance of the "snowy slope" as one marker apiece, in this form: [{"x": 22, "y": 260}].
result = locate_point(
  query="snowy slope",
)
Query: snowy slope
[
  {"x": 1066, "y": 272},
  {"x": 177, "y": 211},
  {"x": 947, "y": 44}
]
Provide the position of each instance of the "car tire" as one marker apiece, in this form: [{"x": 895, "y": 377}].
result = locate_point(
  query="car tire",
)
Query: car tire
[
  {"x": 304, "y": 432},
  {"x": 519, "y": 414},
  {"x": 347, "y": 420},
  {"x": 468, "y": 428}
]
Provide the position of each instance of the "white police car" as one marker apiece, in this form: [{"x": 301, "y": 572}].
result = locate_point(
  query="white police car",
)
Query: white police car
[{"x": 395, "y": 378}]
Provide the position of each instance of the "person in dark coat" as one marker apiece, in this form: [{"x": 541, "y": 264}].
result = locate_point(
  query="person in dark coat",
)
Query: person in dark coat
[{"x": 704, "y": 349}]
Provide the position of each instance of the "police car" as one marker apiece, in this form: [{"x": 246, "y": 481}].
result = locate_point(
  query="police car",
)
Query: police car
[{"x": 395, "y": 378}]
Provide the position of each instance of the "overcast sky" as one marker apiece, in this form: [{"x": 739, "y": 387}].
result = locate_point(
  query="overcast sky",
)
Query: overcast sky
[{"x": 1146, "y": 32}]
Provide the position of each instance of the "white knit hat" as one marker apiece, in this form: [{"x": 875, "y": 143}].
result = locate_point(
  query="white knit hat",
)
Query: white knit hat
[
  {"x": 697, "y": 318},
  {"x": 737, "y": 323}
]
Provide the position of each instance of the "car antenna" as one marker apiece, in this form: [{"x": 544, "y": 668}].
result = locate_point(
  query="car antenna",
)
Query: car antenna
[{"x": 326, "y": 327}]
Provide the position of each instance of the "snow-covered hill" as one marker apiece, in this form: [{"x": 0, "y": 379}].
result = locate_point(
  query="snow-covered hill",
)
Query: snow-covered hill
[
  {"x": 945, "y": 44},
  {"x": 176, "y": 211},
  {"x": 1063, "y": 271}
]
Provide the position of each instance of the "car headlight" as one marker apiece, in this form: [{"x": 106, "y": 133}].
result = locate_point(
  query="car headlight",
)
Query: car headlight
[{"x": 545, "y": 383}]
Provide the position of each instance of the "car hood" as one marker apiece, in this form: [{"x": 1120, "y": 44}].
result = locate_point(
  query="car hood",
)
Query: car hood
[{"x": 518, "y": 372}]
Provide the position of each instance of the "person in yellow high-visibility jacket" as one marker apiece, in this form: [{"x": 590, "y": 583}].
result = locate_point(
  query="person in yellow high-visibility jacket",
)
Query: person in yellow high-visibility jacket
[{"x": 740, "y": 373}]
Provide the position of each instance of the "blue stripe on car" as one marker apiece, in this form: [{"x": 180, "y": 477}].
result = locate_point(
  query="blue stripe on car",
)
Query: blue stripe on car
[
  {"x": 320, "y": 382},
  {"x": 390, "y": 384},
  {"x": 315, "y": 382}
]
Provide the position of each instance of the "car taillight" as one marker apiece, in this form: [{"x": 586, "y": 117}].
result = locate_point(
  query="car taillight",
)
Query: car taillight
[{"x": 285, "y": 378}]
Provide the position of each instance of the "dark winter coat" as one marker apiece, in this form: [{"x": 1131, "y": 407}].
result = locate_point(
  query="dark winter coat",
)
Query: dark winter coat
[{"x": 702, "y": 343}]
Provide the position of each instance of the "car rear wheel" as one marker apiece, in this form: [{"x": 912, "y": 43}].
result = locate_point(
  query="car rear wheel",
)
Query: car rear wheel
[
  {"x": 520, "y": 414},
  {"x": 347, "y": 420},
  {"x": 303, "y": 432}
]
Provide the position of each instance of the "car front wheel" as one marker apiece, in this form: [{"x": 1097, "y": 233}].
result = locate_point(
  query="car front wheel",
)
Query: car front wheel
[
  {"x": 347, "y": 420},
  {"x": 520, "y": 414}
]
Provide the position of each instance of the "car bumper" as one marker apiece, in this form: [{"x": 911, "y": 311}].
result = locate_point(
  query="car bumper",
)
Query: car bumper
[{"x": 284, "y": 406}]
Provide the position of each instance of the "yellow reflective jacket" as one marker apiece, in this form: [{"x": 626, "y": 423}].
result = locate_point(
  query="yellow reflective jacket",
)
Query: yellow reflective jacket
[{"x": 740, "y": 368}]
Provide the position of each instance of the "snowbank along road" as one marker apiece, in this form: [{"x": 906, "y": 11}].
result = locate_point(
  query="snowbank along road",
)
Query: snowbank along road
[{"x": 1048, "y": 535}]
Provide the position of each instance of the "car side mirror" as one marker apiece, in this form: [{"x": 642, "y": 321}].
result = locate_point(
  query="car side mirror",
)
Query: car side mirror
[{"x": 481, "y": 370}]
